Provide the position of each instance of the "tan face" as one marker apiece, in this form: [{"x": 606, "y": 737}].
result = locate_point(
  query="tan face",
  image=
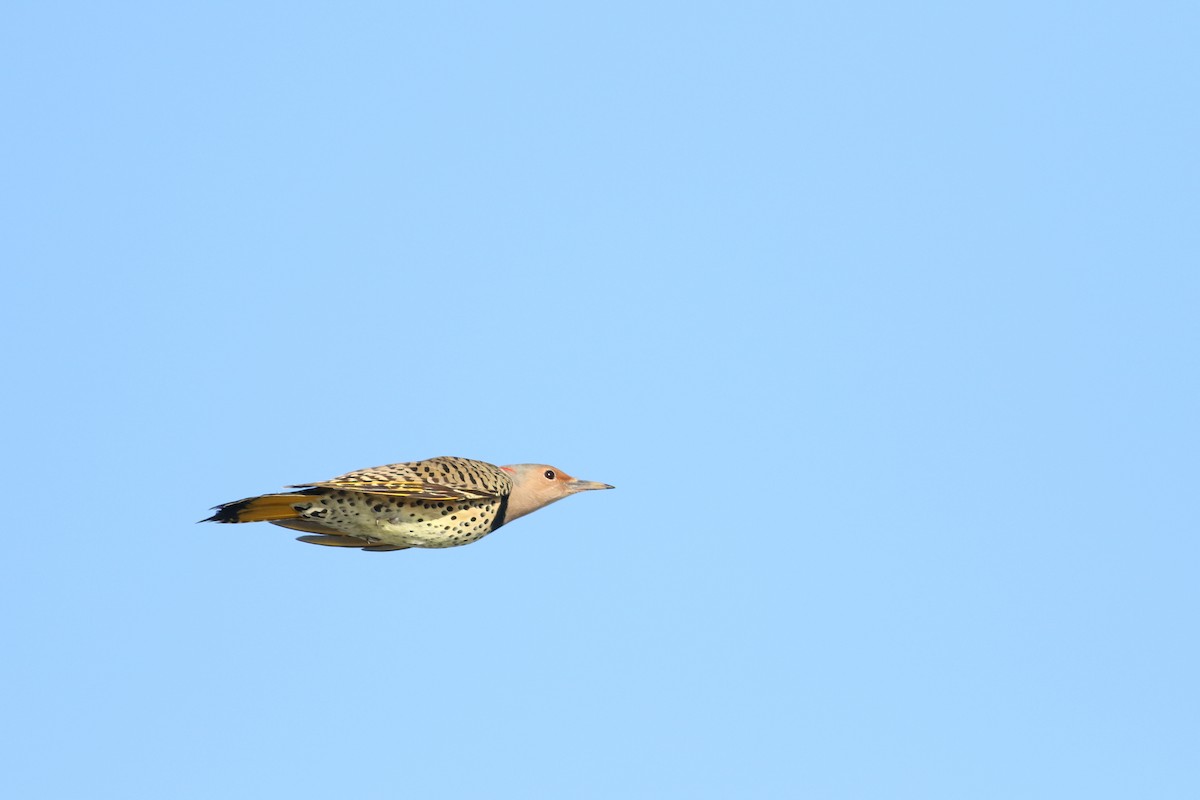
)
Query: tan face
[
  {"x": 539, "y": 485},
  {"x": 550, "y": 480},
  {"x": 547, "y": 473}
]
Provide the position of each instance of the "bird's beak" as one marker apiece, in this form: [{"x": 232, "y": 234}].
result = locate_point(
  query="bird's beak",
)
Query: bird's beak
[{"x": 583, "y": 486}]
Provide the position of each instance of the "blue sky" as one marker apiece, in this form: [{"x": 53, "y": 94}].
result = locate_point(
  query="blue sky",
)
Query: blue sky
[{"x": 881, "y": 317}]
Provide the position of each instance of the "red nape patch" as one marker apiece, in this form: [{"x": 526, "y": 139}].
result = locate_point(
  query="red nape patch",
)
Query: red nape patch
[{"x": 507, "y": 469}]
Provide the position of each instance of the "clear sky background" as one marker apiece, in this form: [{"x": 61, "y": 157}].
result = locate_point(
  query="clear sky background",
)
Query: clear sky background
[{"x": 881, "y": 317}]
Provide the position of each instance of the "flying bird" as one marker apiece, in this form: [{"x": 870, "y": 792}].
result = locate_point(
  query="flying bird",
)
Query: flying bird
[{"x": 440, "y": 502}]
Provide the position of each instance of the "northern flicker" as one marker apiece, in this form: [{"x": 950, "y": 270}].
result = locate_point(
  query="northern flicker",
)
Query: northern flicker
[{"x": 440, "y": 502}]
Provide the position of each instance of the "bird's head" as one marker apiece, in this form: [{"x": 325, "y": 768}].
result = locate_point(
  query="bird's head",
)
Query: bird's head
[{"x": 538, "y": 485}]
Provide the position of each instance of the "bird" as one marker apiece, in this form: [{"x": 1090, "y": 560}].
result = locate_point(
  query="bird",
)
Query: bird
[{"x": 439, "y": 502}]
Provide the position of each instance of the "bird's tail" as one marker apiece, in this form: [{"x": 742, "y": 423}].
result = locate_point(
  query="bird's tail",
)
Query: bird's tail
[{"x": 264, "y": 508}]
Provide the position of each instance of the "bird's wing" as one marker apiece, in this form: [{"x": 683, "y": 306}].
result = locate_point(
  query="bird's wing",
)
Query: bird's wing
[
  {"x": 415, "y": 489},
  {"x": 443, "y": 478}
]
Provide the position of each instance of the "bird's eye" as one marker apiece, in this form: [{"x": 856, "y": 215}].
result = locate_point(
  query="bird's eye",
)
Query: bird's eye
[{"x": 549, "y": 474}]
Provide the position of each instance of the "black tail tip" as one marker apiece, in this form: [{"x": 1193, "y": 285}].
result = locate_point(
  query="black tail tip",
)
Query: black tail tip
[{"x": 227, "y": 512}]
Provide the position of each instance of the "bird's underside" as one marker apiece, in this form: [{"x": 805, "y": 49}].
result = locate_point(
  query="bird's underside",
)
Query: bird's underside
[{"x": 439, "y": 502}]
